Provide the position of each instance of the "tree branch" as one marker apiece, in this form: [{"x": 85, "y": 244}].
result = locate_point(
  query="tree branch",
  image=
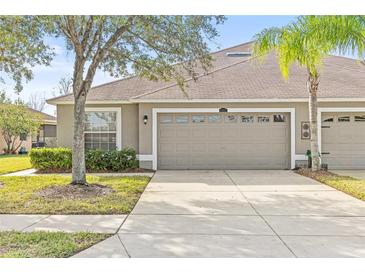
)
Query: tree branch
[{"x": 100, "y": 53}]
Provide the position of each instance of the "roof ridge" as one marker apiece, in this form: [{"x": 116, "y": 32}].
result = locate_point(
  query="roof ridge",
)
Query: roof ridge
[
  {"x": 189, "y": 79},
  {"x": 60, "y": 96},
  {"x": 344, "y": 57},
  {"x": 117, "y": 80},
  {"x": 231, "y": 47},
  {"x": 135, "y": 75}
]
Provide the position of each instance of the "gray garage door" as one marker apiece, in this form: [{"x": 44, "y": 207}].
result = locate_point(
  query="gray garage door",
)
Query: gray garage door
[
  {"x": 343, "y": 140},
  {"x": 224, "y": 141}
]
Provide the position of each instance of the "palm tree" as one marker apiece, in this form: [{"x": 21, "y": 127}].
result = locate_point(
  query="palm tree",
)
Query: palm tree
[{"x": 306, "y": 42}]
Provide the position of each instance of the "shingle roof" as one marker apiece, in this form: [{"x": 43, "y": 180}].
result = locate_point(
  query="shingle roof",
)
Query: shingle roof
[
  {"x": 240, "y": 78},
  {"x": 43, "y": 115}
]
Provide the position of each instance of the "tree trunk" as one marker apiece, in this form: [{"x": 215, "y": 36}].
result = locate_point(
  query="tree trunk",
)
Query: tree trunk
[
  {"x": 312, "y": 86},
  {"x": 78, "y": 150}
]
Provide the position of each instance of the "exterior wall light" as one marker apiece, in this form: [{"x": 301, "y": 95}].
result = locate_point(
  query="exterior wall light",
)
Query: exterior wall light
[{"x": 145, "y": 119}]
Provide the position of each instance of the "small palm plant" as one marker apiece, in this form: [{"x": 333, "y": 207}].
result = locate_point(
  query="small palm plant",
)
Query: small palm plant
[{"x": 306, "y": 42}]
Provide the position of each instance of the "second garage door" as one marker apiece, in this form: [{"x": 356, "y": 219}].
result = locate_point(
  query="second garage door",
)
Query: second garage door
[
  {"x": 224, "y": 141},
  {"x": 343, "y": 140}
]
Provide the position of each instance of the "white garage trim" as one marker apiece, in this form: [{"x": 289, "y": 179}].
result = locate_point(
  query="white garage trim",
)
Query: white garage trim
[
  {"x": 155, "y": 111},
  {"x": 319, "y": 118},
  {"x": 144, "y": 157}
]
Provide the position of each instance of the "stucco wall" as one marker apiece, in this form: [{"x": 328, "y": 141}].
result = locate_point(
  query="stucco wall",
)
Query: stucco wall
[
  {"x": 139, "y": 136},
  {"x": 301, "y": 111},
  {"x": 129, "y": 124},
  {"x": 27, "y": 144}
]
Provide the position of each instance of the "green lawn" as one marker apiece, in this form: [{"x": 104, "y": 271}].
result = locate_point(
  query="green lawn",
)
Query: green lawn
[
  {"x": 12, "y": 163},
  {"x": 352, "y": 186},
  {"x": 19, "y": 195},
  {"x": 45, "y": 244}
]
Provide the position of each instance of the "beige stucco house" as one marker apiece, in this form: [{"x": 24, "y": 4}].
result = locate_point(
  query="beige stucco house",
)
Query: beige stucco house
[
  {"x": 240, "y": 115},
  {"x": 45, "y": 137}
]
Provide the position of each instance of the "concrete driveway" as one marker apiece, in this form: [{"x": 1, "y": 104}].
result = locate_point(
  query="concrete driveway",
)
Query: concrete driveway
[
  {"x": 239, "y": 214},
  {"x": 358, "y": 173}
]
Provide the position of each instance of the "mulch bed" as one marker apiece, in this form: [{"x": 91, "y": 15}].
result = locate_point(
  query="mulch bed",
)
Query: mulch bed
[
  {"x": 75, "y": 191},
  {"x": 316, "y": 175},
  {"x": 130, "y": 170}
]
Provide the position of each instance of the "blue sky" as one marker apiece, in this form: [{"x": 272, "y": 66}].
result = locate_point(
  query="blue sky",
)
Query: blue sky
[{"x": 236, "y": 30}]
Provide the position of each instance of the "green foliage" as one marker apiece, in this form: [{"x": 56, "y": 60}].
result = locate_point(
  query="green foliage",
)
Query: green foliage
[
  {"x": 309, "y": 39},
  {"x": 19, "y": 195},
  {"x": 149, "y": 45},
  {"x": 4, "y": 99},
  {"x": 112, "y": 160},
  {"x": 22, "y": 47},
  {"x": 60, "y": 159},
  {"x": 42, "y": 244},
  {"x": 51, "y": 159},
  {"x": 17, "y": 120},
  {"x": 345, "y": 32}
]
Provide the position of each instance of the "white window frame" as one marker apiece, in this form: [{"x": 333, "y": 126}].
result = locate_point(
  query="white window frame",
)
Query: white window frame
[
  {"x": 156, "y": 111},
  {"x": 334, "y": 110},
  {"x": 118, "y": 121}
]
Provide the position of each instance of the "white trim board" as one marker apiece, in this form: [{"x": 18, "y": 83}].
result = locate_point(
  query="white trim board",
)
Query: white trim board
[
  {"x": 258, "y": 100},
  {"x": 118, "y": 110},
  {"x": 155, "y": 111},
  {"x": 331, "y": 109},
  {"x": 145, "y": 157}
]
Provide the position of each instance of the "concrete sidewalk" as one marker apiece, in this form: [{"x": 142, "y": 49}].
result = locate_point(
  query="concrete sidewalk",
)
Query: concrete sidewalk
[{"x": 108, "y": 224}]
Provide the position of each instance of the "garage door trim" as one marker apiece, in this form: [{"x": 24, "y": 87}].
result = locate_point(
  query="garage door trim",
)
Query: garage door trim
[
  {"x": 156, "y": 111},
  {"x": 339, "y": 109}
]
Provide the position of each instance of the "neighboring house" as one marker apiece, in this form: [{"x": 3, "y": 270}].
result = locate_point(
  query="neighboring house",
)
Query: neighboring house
[
  {"x": 45, "y": 137},
  {"x": 240, "y": 115}
]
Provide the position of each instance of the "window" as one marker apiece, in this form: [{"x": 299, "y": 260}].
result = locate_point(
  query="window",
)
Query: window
[
  {"x": 101, "y": 130},
  {"x": 23, "y": 137},
  {"x": 214, "y": 118},
  {"x": 182, "y": 119},
  {"x": 247, "y": 119},
  {"x": 279, "y": 118},
  {"x": 198, "y": 118},
  {"x": 344, "y": 119},
  {"x": 230, "y": 118},
  {"x": 360, "y": 118},
  {"x": 263, "y": 119},
  {"x": 328, "y": 120},
  {"x": 166, "y": 119}
]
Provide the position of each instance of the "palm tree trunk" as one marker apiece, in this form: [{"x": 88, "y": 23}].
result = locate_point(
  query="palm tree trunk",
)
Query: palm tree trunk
[
  {"x": 312, "y": 86},
  {"x": 78, "y": 149}
]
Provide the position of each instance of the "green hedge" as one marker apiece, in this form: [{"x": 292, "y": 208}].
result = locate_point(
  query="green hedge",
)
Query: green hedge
[{"x": 60, "y": 160}]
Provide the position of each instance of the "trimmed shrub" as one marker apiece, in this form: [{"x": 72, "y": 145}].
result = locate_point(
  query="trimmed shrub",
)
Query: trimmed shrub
[
  {"x": 51, "y": 159},
  {"x": 60, "y": 160}
]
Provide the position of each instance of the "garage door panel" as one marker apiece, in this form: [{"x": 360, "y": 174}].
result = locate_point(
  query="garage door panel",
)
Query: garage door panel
[
  {"x": 167, "y": 132},
  {"x": 225, "y": 144},
  {"x": 167, "y": 148},
  {"x": 183, "y": 147},
  {"x": 182, "y": 132},
  {"x": 344, "y": 141}
]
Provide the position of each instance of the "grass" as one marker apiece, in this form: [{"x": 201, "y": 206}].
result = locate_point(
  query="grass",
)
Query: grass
[
  {"x": 352, "y": 186},
  {"x": 19, "y": 195},
  {"x": 45, "y": 244},
  {"x": 12, "y": 163}
]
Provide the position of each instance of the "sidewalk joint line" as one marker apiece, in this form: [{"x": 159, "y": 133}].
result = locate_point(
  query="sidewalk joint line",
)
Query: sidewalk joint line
[{"x": 36, "y": 222}]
